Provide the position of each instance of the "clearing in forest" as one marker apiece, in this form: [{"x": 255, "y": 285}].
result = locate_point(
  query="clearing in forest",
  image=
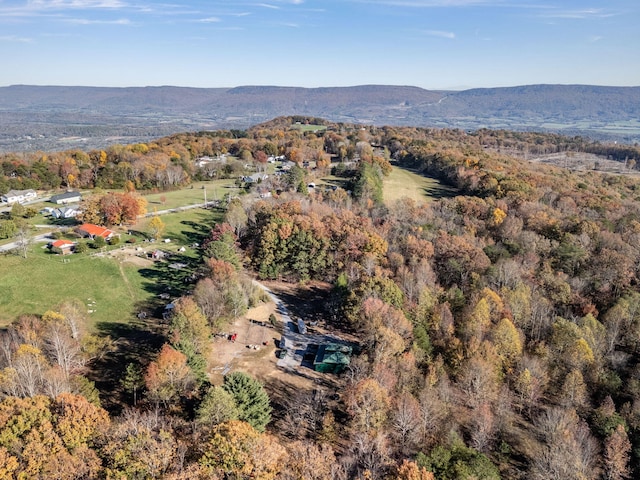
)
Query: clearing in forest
[{"x": 403, "y": 182}]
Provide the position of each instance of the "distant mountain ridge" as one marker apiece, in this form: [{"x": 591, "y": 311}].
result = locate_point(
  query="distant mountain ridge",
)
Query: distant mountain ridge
[{"x": 59, "y": 117}]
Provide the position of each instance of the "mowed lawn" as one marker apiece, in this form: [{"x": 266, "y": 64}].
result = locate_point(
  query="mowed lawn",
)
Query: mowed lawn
[
  {"x": 213, "y": 190},
  {"x": 42, "y": 281},
  {"x": 185, "y": 227},
  {"x": 115, "y": 291},
  {"x": 403, "y": 183}
]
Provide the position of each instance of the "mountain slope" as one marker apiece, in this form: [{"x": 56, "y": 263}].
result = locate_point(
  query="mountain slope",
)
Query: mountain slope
[{"x": 52, "y": 116}]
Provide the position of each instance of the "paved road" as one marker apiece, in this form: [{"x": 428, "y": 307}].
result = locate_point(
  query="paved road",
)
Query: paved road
[
  {"x": 7, "y": 208},
  {"x": 41, "y": 237}
]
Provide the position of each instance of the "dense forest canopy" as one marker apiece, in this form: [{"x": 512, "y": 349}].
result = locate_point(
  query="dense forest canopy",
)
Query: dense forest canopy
[
  {"x": 170, "y": 161},
  {"x": 498, "y": 329}
]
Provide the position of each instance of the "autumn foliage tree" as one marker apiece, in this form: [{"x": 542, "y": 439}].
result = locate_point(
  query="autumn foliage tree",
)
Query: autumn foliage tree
[
  {"x": 44, "y": 438},
  {"x": 190, "y": 334},
  {"x": 237, "y": 450},
  {"x": 168, "y": 377}
]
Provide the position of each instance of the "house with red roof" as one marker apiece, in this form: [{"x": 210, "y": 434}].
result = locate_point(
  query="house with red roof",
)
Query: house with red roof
[
  {"x": 92, "y": 231},
  {"x": 62, "y": 247}
]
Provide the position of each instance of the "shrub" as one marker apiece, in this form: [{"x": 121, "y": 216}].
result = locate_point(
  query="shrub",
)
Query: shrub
[{"x": 98, "y": 242}]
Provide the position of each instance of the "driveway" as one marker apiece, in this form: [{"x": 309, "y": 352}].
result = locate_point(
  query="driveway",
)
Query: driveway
[
  {"x": 295, "y": 344},
  {"x": 42, "y": 237}
]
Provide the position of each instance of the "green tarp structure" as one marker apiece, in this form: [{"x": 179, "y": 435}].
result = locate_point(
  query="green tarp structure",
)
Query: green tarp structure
[{"x": 332, "y": 358}]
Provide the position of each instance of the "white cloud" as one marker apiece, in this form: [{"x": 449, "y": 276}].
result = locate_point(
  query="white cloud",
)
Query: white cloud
[
  {"x": 15, "y": 39},
  {"x": 268, "y": 5},
  {"x": 84, "y": 21},
  {"x": 209, "y": 20},
  {"x": 440, "y": 33},
  {"x": 578, "y": 14},
  {"x": 431, "y": 3},
  {"x": 74, "y": 4}
]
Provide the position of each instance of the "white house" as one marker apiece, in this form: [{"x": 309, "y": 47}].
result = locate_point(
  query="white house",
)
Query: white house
[
  {"x": 255, "y": 178},
  {"x": 65, "y": 212},
  {"x": 20, "y": 196},
  {"x": 66, "y": 197}
]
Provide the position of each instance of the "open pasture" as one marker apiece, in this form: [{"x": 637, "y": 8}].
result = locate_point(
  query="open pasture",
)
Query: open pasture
[
  {"x": 112, "y": 288},
  {"x": 404, "y": 183}
]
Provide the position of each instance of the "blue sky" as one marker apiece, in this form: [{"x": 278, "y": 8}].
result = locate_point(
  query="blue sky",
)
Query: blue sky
[{"x": 434, "y": 44}]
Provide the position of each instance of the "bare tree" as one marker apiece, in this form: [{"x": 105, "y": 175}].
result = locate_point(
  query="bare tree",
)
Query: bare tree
[
  {"x": 432, "y": 413},
  {"x": 29, "y": 366},
  {"x": 56, "y": 382},
  {"x": 371, "y": 454},
  {"x": 75, "y": 316},
  {"x": 63, "y": 349},
  {"x": 405, "y": 422},
  {"x": 568, "y": 449},
  {"x": 23, "y": 237},
  {"x": 483, "y": 426}
]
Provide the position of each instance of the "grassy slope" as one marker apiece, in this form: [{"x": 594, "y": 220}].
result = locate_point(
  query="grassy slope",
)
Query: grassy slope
[
  {"x": 42, "y": 281},
  {"x": 405, "y": 183},
  {"x": 215, "y": 190}
]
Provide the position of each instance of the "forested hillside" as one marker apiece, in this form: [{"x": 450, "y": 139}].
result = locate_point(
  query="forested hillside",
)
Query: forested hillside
[
  {"x": 498, "y": 330},
  {"x": 61, "y": 117}
]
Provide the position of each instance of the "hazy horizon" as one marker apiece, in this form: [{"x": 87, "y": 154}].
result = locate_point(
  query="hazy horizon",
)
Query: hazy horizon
[{"x": 431, "y": 44}]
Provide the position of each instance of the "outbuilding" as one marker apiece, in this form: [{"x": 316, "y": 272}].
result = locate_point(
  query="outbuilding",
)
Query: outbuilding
[
  {"x": 62, "y": 247},
  {"x": 66, "y": 197},
  {"x": 332, "y": 358}
]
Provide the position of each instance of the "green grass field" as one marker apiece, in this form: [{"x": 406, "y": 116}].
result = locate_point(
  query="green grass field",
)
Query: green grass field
[
  {"x": 42, "y": 281},
  {"x": 185, "y": 227},
  {"x": 214, "y": 190},
  {"x": 309, "y": 128},
  {"x": 405, "y": 183},
  {"x": 115, "y": 290}
]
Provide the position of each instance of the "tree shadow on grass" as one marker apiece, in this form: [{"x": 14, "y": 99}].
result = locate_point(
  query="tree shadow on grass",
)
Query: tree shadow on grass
[
  {"x": 309, "y": 303},
  {"x": 172, "y": 277},
  {"x": 199, "y": 229},
  {"x": 441, "y": 191}
]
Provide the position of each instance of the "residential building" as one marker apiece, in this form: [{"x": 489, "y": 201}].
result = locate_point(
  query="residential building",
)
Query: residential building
[
  {"x": 20, "y": 196},
  {"x": 92, "y": 231},
  {"x": 66, "y": 197}
]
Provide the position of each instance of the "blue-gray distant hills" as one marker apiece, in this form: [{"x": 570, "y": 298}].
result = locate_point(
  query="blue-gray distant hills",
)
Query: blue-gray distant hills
[{"x": 55, "y": 117}]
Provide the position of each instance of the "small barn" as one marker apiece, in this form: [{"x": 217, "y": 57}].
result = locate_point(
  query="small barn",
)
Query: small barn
[
  {"x": 65, "y": 212},
  {"x": 62, "y": 247},
  {"x": 66, "y": 197},
  {"x": 332, "y": 358}
]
